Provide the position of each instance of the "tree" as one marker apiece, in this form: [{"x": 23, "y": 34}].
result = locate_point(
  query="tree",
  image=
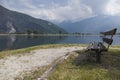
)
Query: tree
[
  {"x": 60, "y": 32},
  {"x": 29, "y": 31},
  {"x": 35, "y": 32}
]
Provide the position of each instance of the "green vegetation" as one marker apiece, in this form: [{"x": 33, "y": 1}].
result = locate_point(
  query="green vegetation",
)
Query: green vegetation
[
  {"x": 35, "y": 74},
  {"x": 109, "y": 69}
]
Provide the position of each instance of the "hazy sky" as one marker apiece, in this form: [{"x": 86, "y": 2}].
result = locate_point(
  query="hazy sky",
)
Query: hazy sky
[{"x": 64, "y": 10}]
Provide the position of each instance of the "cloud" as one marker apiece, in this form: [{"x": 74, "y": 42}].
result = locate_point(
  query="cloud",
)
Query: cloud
[
  {"x": 69, "y": 10},
  {"x": 64, "y": 10},
  {"x": 112, "y": 8},
  {"x": 97, "y": 6},
  {"x": 72, "y": 11},
  {"x": 18, "y": 5}
]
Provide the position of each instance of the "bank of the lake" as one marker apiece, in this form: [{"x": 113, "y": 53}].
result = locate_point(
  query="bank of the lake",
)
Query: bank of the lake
[
  {"x": 16, "y": 64},
  {"x": 30, "y": 63},
  {"x": 109, "y": 69},
  {"x": 18, "y": 41},
  {"x": 27, "y": 50}
]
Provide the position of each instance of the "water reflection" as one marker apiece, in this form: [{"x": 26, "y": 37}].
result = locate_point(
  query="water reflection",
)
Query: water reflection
[
  {"x": 10, "y": 41},
  {"x": 16, "y": 42}
]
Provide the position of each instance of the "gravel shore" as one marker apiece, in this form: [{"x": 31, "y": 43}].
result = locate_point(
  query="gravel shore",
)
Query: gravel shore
[{"x": 14, "y": 66}]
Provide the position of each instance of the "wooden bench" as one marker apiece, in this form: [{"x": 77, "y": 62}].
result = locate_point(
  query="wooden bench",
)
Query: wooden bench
[{"x": 98, "y": 47}]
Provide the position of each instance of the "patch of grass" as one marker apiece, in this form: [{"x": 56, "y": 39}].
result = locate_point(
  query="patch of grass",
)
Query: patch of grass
[
  {"x": 114, "y": 46},
  {"x": 33, "y": 75},
  {"x": 109, "y": 69}
]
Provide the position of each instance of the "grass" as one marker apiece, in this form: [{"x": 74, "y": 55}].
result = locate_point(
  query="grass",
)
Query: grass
[
  {"x": 34, "y": 75},
  {"x": 109, "y": 69},
  {"x": 37, "y": 73}
]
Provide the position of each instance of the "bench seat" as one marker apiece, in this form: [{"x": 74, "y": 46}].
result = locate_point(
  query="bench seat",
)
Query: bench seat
[{"x": 97, "y": 46}]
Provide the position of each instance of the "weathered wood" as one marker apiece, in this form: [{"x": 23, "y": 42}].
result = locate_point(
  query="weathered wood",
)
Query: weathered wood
[
  {"x": 99, "y": 47},
  {"x": 110, "y": 32},
  {"x": 107, "y": 40},
  {"x": 53, "y": 67},
  {"x": 98, "y": 58},
  {"x": 96, "y": 46}
]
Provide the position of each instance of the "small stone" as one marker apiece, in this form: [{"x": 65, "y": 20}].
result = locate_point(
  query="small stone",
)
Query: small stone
[{"x": 42, "y": 79}]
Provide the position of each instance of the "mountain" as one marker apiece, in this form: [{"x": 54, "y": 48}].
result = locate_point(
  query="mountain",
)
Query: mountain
[
  {"x": 93, "y": 25},
  {"x": 15, "y": 22}
]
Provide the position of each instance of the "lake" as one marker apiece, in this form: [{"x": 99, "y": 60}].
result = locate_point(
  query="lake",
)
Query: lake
[{"x": 16, "y": 42}]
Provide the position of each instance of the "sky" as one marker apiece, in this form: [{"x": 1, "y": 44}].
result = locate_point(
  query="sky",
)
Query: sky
[{"x": 64, "y": 10}]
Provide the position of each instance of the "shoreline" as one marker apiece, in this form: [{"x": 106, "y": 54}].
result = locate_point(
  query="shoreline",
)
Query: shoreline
[
  {"x": 28, "y": 49},
  {"x": 17, "y": 65},
  {"x": 5, "y": 53}
]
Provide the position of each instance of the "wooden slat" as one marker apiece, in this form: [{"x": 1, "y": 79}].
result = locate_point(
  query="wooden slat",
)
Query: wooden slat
[
  {"x": 97, "y": 47},
  {"x": 111, "y": 32},
  {"x": 107, "y": 40},
  {"x": 102, "y": 47}
]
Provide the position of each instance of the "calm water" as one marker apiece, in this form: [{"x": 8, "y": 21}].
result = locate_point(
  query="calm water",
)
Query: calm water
[{"x": 17, "y": 42}]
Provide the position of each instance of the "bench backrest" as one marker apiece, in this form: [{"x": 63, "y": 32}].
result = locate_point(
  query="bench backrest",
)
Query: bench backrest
[{"x": 110, "y": 34}]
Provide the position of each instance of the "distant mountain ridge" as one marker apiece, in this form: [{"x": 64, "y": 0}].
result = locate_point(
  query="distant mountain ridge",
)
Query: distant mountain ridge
[
  {"x": 15, "y": 22},
  {"x": 95, "y": 24}
]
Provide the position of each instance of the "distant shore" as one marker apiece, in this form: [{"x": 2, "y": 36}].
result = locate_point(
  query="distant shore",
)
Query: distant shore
[{"x": 68, "y": 34}]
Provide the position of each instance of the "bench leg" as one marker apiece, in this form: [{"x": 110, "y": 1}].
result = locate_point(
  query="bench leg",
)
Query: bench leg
[{"x": 98, "y": 57}]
